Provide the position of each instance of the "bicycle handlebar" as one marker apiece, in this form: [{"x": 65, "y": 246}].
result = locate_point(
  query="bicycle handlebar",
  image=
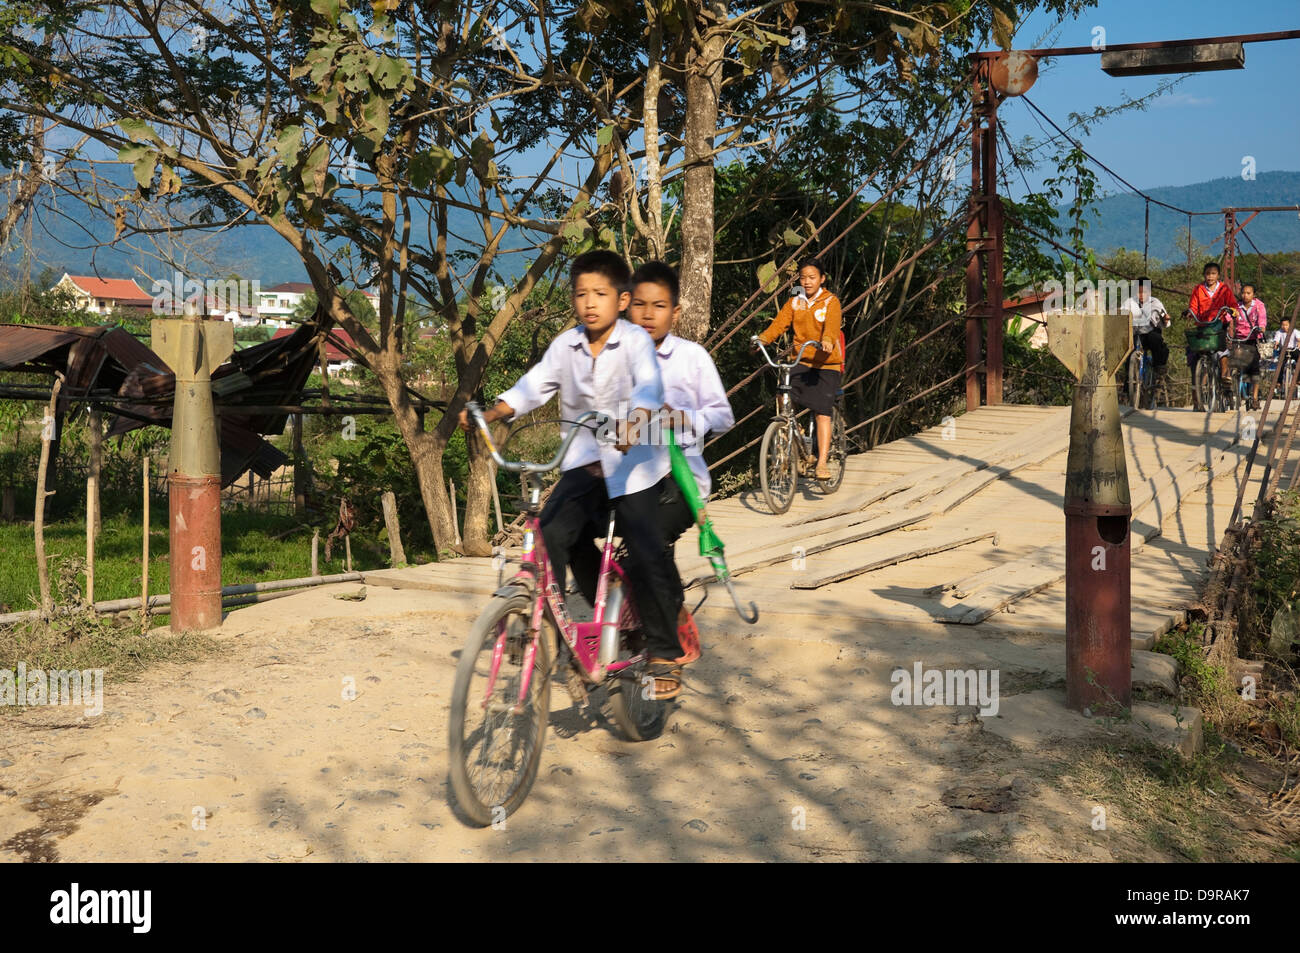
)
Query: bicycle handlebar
[
  {"x": 771, "y": 363},
  {"x": 522, "y": 466}
]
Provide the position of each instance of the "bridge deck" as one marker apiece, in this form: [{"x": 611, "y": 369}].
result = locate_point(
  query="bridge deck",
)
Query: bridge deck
[{"x": 958, "y": 530}]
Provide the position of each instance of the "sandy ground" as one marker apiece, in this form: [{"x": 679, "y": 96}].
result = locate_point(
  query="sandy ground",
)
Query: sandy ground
[{"x": 780, "y": 749}]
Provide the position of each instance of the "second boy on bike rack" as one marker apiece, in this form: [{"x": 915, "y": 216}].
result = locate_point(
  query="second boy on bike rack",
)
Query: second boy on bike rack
[
  {"x": 694, "y": 398},
  {"x": 608, "y": 365}
]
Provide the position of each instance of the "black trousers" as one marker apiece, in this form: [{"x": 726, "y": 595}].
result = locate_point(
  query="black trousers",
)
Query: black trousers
[
  {"x": 578, "y": 510},
  {"x": 1154, "y": 341}
]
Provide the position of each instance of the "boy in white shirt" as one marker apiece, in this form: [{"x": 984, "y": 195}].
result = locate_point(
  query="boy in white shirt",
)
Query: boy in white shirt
[
  {"x": 694, "y": 399},
  {"x": 607, "y": 364},
  {"x": 1149, "y": 318}
]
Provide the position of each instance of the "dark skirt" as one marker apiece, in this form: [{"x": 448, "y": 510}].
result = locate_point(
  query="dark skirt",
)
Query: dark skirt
[{"x": 815, "y": 388}]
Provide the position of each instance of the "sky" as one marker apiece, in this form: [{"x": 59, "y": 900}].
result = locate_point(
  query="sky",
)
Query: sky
[{"x": 1201, "y": 130}]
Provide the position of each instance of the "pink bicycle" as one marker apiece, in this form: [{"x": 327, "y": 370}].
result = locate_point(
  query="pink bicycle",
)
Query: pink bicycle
[{"x": 500, "y": 703}]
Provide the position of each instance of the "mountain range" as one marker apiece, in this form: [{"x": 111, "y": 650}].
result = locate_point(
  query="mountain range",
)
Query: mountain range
[
  {"x": 61, "y": 241},
  {"x": 1119, "y": 220}
]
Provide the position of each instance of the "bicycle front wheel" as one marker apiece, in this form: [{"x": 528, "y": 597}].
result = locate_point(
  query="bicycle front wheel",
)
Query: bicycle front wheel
[
  {"x": 1206, "y": 384},
  {"x": 495, "y": 742},
  {"x": 776, "y": 466},
  {"x": 837, "y": 458},
  {"x": 1135, "y": 379}
]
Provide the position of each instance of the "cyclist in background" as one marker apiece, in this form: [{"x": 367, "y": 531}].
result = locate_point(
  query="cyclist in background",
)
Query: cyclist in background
[
  {"x": 815, "y": 314},
  {"x": 1149, "y": 318},
  {"x": 1250, "y": 320},
  {"x": 1286, "y": 346},
  {"x": 1207, "y": 300}
]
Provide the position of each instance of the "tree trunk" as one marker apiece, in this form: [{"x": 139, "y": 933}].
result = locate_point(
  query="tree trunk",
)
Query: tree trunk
[
  {"x": 478, "y": 498},
  {"x": 426, "y": 451},
  {"x": 703, "y": 89}
]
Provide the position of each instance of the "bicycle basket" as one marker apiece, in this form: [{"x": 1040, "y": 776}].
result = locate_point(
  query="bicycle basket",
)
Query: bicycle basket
[
  {"x": 1266, "y": 350},
  {"x": 1241, "y": 356},
  {"x": 1206, "y": 337}
]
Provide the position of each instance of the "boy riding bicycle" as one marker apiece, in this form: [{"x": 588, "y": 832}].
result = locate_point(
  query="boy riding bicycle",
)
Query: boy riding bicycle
[
  {"x": 694, "y": 398},
  {"x": 1149, "y": 317},
  {"x": 608, "y": 365},
  {"x": 815, "y": 314}
]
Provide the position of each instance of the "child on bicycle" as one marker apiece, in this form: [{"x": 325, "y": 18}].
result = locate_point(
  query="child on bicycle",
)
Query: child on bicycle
[
  {"x": 607, "y": 364},
  {"x": 1207, "y": 300},
  {"x": 1250, "y": 320},
  {"x": 815, "y": 314},
  {"x": 694, "y": 400},
  {"x": 1286, "y": 347},
  {"x": 1149, "y": 317}
]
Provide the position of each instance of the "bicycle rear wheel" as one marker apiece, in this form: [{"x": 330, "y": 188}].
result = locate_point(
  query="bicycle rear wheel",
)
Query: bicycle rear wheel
[
  {"x": 837, "y": 458},
  {"x": 632, "y": 705},
  {"x": 776, "y": 466},
  {"x": 494, "y": 751}
]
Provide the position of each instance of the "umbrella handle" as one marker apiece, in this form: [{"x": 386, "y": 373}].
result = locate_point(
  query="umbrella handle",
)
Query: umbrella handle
[{"x": 752, "y": 617}]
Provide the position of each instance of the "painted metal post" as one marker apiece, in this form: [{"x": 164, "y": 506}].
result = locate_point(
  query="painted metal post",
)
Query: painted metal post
[
  {"x": 974, "y": 266},
  {"x": 192, "y": 347},
  {"x": 1098, "y": 648}
]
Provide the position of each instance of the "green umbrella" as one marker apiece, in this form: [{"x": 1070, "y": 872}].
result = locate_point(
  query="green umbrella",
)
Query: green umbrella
[{"x": 710, "y": 545}]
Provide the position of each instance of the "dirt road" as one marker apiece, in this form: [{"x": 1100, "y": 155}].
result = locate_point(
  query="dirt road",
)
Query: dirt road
[{"x": 780, "y": 750}]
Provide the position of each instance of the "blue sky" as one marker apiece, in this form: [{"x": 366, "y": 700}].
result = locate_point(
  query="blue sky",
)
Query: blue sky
[{"x": 1206, "y": 125}]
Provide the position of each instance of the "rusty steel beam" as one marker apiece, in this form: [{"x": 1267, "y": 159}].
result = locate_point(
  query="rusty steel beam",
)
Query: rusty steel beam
[{"x": 1153, "y": 44}]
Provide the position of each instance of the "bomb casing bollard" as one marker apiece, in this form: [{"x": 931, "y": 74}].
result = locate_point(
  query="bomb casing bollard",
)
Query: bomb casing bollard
[
  {"x": 192, "y": 347},
  {"x": 1098, "y": 641}
]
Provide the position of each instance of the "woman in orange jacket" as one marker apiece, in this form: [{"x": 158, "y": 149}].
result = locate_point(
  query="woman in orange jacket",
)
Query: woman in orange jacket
[{"x": 815, "y": 315}]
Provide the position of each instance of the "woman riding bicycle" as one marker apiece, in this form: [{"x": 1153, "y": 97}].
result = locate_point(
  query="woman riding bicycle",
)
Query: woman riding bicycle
[{"x": 815, "y": 314}]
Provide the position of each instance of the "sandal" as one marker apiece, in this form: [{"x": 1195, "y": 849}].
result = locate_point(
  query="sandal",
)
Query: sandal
[
  {"x": 667, "y": 677},
  {"x": 823, "y": 473},
  {"x": 689, "y": 637}
]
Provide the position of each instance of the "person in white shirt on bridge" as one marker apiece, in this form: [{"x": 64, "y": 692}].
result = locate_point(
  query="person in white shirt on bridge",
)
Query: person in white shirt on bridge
[
  {"x": 1149, "y": 320},
  {"x": 695, "y": 401}
]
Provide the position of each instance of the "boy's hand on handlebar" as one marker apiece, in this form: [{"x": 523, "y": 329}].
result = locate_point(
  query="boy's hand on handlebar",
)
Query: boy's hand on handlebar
[{"x": 631, "y": 429}]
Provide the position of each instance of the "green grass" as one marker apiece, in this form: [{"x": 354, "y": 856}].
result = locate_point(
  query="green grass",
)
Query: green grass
[{"x": 250, "y": 554}]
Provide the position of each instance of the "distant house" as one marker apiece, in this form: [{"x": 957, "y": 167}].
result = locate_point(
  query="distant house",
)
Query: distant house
[
  {"x": 103, "y": 296},
  {"x": 278, "y": 304},
  {"x": 336, "y": 358},
  {"x": 1026, "y": 309}
]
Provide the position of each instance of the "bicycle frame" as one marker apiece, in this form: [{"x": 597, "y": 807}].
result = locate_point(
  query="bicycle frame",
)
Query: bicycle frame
[{"x": 593, "y": 643}]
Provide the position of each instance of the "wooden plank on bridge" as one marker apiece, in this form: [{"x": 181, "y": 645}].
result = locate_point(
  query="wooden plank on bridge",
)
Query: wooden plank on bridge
[
  {"x": 973, "y": 599},
  {"x": 911, "y": 546}
]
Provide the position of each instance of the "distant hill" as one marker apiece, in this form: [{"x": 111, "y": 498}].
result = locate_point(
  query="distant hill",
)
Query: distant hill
[
  {"x": 1119, "y": 221},
  {"x": 255, "y": 251}
]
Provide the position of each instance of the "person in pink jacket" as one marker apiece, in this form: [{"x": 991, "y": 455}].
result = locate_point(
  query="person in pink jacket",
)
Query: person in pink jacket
[{"x": 1249, "y": 321}]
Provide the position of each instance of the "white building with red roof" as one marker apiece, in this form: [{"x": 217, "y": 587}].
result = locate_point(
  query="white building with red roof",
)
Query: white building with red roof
[
  {"x": 277, "y": 305},
  {"x": 103, "y": 296}
]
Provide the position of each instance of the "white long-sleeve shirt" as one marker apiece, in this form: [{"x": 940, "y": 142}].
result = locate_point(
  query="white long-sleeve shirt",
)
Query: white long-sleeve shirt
[
  {"x": 621, "y": 378},
  {"x": 692, "y": 385},
  {"x": 1147, "y": 316}
]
